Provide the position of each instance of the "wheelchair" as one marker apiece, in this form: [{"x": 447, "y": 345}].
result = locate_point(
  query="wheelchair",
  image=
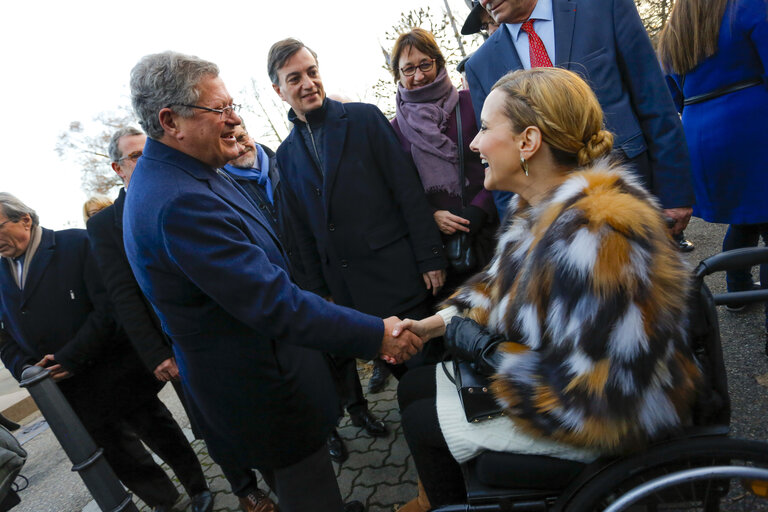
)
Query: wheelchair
[{"x": 698, "y": 468}]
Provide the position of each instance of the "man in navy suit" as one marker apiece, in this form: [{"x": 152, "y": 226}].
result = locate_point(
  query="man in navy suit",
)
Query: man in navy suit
[
  {"x": 247, "y": 340},
  {"x": 604, "y": 41},
  {"x": 363, "y": 228}
]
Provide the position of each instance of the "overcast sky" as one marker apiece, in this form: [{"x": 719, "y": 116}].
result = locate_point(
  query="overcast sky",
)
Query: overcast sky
[{"x": 69, "y": 61}]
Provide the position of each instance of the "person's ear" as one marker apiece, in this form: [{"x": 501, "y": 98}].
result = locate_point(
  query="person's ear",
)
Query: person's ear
[
  {"x": 276, "y": 88},
  {"x": 169, "y": 122},
  {"x": 530, "y": 141},
  {"x": 118, "y": 170}
]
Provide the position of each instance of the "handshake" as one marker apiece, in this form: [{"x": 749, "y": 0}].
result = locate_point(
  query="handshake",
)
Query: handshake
[{"x": 405, "y": 338}]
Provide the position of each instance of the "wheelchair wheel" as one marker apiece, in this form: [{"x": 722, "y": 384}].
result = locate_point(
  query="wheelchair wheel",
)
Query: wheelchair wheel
[{"x": 716, "y": 493}]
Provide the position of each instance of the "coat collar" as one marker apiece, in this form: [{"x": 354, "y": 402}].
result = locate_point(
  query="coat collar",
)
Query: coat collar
[
  {"x": 39, "y": 263},
  {"x": 117, "y": 210},
  {"x": 334, "y": 119}
]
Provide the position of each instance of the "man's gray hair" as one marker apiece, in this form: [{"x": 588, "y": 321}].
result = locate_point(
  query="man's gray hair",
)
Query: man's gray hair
[
  {"x": 166, "y": 79},
  {"x": 279, "y": 54},
  {"x": 15, "y": 210},
  {"x": 114, "y": 152}
]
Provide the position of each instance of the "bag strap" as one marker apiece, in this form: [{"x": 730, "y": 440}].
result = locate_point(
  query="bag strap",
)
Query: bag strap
[{"x": 460, "y": 145}]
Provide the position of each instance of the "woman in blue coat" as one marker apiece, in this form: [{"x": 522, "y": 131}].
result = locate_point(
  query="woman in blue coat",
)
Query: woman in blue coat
[{"x": 715, "y": 53}]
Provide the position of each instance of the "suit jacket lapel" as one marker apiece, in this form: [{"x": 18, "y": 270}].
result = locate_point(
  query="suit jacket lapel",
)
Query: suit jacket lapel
[
  {"x": 564, "y": 14},
  {"x": 118, "y": 211},
  {"x": 335, "y": 138},
  {"x": 39, "y": 263},
  {"x": 508, "y": 59},
  {"x": 226, "y": 188}
]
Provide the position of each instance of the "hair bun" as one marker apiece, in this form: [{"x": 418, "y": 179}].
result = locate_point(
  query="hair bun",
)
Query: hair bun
[{"x": 599, "y": 144}]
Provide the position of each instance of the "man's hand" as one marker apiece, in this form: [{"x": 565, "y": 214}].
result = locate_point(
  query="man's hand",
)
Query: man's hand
[
  {"x": 681, "y": 216},
  {"x": 167, "y": 370},
  {"x": 434, "y": 280},
  {"x": 400, "y": 348},
  {"x": 57, "y": 372},
  {"x": 449, "y": 223}
]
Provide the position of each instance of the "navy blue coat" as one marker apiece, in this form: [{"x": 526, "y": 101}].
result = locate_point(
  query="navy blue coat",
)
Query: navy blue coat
[
  {"x": 63, "y": 310},
  {"x": 363, "y": 227},
  {"x": 605, "y": 42},
  {"x": 246, "y": 339}
]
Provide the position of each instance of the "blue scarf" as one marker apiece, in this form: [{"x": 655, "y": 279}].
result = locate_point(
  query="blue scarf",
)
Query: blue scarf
[{"x": 260, "y": 174}]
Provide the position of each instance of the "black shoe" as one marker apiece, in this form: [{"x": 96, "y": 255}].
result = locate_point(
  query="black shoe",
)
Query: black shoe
[
  {"x": 354, "y": 506},
  {"x": 9, "y": 424},
  {"x": 379, "y": 377},
  {"x": 738, "y": 307},
  {"x": 368, "y": 421},
  {"x": 202, "y": 502},
  {"x": 336, "y": 447}
]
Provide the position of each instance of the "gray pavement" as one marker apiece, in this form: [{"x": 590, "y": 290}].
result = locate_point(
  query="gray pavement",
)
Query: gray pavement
[{"x": 380, "y": 472}]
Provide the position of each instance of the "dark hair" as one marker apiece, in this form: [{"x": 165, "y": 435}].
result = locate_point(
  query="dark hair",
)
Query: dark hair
[
  {"x": 423, "y": 41},
  {"x": 279, "y": 54},
  {"x": 691, "y": 34}
]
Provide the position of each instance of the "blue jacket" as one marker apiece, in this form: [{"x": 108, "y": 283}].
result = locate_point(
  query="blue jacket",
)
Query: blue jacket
[
  {"x": 247, "y": 340},
  {"x": 726, "y": 135},
  {"x": 363, "y": 227},
  {"x": 605, "y": 42}
]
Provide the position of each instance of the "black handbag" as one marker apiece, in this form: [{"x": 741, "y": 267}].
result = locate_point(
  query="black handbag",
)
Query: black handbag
[
  {"x": 475, "y": 360},
  {"x": 459, "y": 249}
]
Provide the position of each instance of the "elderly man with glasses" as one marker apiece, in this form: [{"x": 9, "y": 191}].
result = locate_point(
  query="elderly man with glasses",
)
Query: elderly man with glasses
[
  {"x": 248, "y": 342},
  {"x": 54, "y": 313}
]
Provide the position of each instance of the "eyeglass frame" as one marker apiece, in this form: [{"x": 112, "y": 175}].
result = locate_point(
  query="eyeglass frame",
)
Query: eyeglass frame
[
  {"x": 484, "y": 26},
  {"x": 133, "y": 156},
  {"x": 235, "y": 108},
  {"x": 430, "y": 63}
]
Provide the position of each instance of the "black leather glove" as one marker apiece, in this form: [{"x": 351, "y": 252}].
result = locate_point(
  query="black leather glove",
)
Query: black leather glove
[{"x": 466, "y": 339}]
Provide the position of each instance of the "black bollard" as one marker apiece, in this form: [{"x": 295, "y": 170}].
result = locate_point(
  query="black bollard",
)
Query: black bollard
[{"x": 87, "y": 459}]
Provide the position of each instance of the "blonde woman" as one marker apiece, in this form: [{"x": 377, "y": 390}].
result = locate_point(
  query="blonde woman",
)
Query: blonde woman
[
  {"x": 94, "y": 205},
  {"x": 586, "y": 287}
]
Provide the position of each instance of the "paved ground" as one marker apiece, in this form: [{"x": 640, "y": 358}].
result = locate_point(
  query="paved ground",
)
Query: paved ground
[{"x": 380, "y": 472}]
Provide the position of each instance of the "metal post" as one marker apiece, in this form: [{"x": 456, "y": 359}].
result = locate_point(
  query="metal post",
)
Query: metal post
[{"x": 87, "y": 458}]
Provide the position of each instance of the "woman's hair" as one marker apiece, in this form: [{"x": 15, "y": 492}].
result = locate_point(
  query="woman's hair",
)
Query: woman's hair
[
  {"x": 563, "y": 107},
  {"x": 94, "y": 205},
  {"x": 420, "y": 39},
  {"x": 691, "y": 33}
]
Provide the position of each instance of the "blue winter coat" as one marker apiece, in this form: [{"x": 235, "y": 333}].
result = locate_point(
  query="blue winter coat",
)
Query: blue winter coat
[{"x": 727, "y": 136}]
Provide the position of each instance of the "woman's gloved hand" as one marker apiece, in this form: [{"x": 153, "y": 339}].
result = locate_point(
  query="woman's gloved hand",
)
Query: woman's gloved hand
[{"x": 466, "y": 339}]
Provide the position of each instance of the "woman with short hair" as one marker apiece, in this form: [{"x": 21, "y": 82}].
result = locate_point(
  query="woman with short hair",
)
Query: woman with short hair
[{"x": 428, "y": 109}]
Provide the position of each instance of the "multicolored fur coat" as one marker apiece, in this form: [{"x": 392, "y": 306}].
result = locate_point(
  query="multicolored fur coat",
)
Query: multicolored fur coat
[{"x": 592, "y": 295}]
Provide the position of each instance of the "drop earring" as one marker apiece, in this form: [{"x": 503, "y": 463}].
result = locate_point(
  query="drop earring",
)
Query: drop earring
[{"x": 524, "y": 165}]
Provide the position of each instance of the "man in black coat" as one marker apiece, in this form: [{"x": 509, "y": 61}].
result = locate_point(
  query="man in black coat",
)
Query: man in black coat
[
  {"x": 136, "y": 316},
  {"x": 54, "y": 313},
  {"x": 364, "y": 230}
]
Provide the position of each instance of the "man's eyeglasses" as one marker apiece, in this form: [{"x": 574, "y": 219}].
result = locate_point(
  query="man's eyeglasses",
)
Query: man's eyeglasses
[
  {"x": 484, "y": 26},
  {"x": 223, "y": 112},
  {"x": 133, "y": 156},
  {"x": 423, "y": 67}
]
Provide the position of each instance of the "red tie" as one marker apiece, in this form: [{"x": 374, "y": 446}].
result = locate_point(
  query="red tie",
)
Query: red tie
[{"x": 539, "y": 57}]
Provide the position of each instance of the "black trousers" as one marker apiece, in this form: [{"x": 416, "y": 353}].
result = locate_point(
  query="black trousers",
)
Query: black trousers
[
  {"x": 439, "y": 472},
  {"x": 307, "y": 486},
  {"x": 153, "y": 424}
]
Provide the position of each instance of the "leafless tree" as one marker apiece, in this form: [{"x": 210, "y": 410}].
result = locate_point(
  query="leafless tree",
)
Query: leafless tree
[
  {"x": 86, "y": 144},
  {"x": 654, "y": 14}
]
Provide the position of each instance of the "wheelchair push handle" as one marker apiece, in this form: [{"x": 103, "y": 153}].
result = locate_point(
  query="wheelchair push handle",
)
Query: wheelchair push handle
[{"x": 729, "y": 260}]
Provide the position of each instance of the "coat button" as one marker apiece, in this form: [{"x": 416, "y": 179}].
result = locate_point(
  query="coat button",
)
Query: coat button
[
  {"x": 344, "y": 264},
  {"x": 435, "y": 250},
  {"x": 331, "y": 227},
  {"x": 318, "y": 192}
]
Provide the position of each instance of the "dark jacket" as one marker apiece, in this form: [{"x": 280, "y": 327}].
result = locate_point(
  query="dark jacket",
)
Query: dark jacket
[
  {"x": 364, "y": 230},
  {"x": 135, "y": 314},
  {"x": 247, "y": 340},
  {"x": 63, "y": 310},
  {"x": 605, "y": 42}
]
